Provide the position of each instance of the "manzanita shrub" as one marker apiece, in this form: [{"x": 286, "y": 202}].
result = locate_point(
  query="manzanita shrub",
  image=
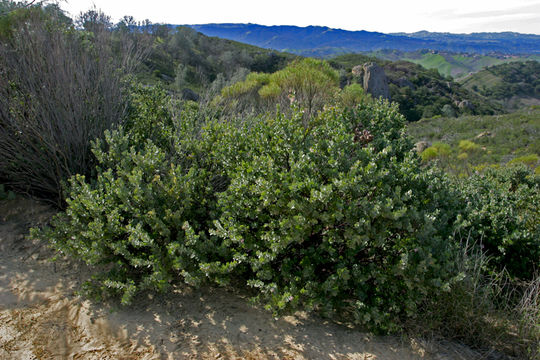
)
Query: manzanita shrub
[
  {"x": 142, "y": 221},
  {"x": 334, "y": 215},
  {"x": 502, "y": 215}
]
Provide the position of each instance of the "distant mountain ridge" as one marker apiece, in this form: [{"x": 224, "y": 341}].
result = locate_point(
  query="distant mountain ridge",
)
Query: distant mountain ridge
[{"x": 324, "y": 41}]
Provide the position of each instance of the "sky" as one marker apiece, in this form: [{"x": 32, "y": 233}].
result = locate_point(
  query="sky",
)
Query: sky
[{"x": 457, "y": 16}]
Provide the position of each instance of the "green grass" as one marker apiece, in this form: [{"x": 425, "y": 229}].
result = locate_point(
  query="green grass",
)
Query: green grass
[
  {"x": 449, "y": 64},
  {"x": 456, "y": 65},
  {"x": 481, "y": 79},
  {"x": 505, "y": 137}
]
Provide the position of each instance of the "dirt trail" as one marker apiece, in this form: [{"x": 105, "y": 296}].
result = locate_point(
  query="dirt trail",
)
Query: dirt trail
[{"x": 42, "y": 318}]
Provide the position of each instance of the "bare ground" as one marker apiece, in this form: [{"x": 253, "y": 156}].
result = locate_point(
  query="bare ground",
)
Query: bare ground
[{"x": 42, "y": 318}]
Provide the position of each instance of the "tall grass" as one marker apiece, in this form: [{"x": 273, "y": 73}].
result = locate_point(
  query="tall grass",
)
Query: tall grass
[{"x": 488, "y": 311}]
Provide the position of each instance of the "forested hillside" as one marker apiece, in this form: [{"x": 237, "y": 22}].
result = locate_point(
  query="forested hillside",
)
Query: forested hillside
[
  {"x": 421, "y": 93},
  {"x": 457, "y": 65},
  {"x": 513, "y": 85},
  {"x": 181, "y": 57}
]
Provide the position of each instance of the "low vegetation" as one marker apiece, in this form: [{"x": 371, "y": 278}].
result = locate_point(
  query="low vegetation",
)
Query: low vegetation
[
  {"x": 468, "y": 144},
  {"x": 512, "y": 85}
]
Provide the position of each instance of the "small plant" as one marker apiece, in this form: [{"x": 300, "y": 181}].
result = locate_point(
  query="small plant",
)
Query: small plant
[
  {"x": 530, "y": 160},
  {"x": 438, "y": 150},
  {"x": 6, "y": 195}
]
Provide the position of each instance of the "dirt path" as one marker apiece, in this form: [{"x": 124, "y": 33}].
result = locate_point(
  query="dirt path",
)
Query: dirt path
[{"x": 42, "y": 318}]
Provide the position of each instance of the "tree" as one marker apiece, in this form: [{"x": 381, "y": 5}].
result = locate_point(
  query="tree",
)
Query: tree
[{"x": 309, "y": 83}]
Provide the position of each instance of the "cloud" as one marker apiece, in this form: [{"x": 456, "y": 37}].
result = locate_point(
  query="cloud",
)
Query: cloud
[
  {"x": 522, "y": 18},
  {"x": 452, "y": 14},
  {"x": 517, "y": 22}
]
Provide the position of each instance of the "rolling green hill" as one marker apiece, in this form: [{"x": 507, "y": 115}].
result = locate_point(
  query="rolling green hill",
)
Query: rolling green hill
[
  {"x": 513, "y": 85},
  {"x": 473, "y": 142},
  {"x": 457, "y": 65}
]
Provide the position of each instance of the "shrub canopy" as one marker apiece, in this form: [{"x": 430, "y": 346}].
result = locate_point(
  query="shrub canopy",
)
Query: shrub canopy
[{"x": 335, "y": 215}]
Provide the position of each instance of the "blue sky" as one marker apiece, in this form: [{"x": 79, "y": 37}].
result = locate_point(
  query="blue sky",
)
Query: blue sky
[{"x": 462, "y": 16}]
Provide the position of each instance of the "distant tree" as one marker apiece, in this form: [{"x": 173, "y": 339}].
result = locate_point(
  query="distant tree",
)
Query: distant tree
[{"x": 310, "y": 83}]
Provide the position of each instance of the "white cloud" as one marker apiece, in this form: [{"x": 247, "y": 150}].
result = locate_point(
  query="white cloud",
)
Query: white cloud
[{"x": 383, "y": 16}]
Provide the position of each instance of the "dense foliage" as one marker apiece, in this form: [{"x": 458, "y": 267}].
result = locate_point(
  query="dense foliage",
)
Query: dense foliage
[
  {"x": 335, "y": 215},
  {"x": 502, "y": 215},
  {"x": 308, "y": 83},
  {"x": 151, "y": 196}
]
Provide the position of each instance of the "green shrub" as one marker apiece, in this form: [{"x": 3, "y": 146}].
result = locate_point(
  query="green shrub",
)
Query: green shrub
[
  {"x": 431, "y": 153},
  {"x": 529, "y": 160},
  {"x": 502, "y": 212},
  {"x": 6, "y": 195},
  {"x": 438, "y": 150},
  {"x": 144, "y": 216},
  {"x": 468, "y": 146},
  {"x": 353, "y": 95},
  {"x": 337, "y": 217}
]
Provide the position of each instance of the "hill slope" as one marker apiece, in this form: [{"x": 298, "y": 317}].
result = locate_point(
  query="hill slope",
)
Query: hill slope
[
  {"x": 421, "y": 93},
  {"x": 313, "y": 40},
  {"x": 512, "y": 85},
  {"x": 457, "y": 65},
  {"x": 499, "y": 139},
  {"x": 181, "y": 57}
]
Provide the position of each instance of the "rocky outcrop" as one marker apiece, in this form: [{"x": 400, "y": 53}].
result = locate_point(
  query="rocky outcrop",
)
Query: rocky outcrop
[
  {"x": 484, "y": 134},
  {"x": 420, "y": 146},
  {"x": 375, "y": 81},
  {"x": 188, "y": 94},
  {"x": 358, "y": 70},
  {"x": 465, "y": 104}
]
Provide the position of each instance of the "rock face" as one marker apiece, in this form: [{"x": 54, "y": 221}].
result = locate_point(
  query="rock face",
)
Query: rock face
[
  {"x": 484, "y": 134},
  {"x": 421, "y": 146},
  {"x": 466, "y": 104},
  {"x": 188, "y": 94},
  {"x": 375, "y": 81},
  {"x": 358, "y": 70}
]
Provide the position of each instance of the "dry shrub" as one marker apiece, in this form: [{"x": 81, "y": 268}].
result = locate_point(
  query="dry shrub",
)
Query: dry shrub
[{"x": 59, "y": 89}]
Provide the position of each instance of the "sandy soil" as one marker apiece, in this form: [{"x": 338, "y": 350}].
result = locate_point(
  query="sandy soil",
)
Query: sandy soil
[{"x": 42, "y": 318}]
